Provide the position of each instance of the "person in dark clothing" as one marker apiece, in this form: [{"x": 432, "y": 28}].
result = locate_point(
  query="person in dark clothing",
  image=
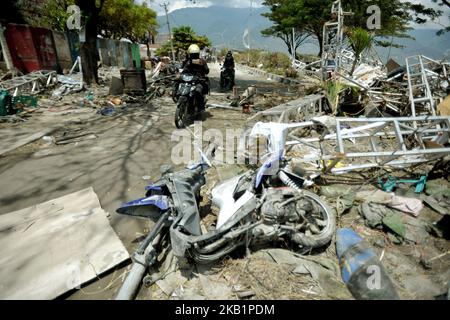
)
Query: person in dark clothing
[
  {"x": 197, "y": 66},
  {"x": 194, "y": 64},
  {"x": 229, "y": 61},
  {"x": 227, "y": 80}
]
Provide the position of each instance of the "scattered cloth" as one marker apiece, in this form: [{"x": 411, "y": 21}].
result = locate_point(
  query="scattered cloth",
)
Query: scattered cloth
[
  {"x": 404, "y": 227},
  {"x": 408, "y": 205}
]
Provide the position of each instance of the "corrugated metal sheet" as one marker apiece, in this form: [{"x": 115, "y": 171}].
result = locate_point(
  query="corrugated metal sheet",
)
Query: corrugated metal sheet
[
  {"x": 74, "y": 45},
  {"x": 21, "y": 47},
  {"x": 136, "y": 54},
  {"x": 113, "y": 52},
  {"x": 45, "y": 48},
  {"x": 62, "y": 50},
  {"x": 31, "y": 49},
  {"x": 125, "y": 55},
  {"x": 35, "y": 49}
]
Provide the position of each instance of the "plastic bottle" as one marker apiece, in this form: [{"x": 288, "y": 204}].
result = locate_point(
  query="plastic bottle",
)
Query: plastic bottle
[
  {"x": 362, "y": 272},
  {"x": 90, "y": 96}
]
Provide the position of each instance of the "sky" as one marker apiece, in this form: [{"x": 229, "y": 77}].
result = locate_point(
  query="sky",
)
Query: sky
[{"x": 179, "y": 4}]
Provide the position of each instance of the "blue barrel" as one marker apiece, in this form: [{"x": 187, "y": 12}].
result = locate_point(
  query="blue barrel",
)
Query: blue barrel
[{"x": 362, "y": 272}]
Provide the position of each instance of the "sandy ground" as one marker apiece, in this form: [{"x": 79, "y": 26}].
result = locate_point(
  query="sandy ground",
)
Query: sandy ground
[
  {"x": 134, "y": 145},
  {"x": 128, "y": 148}
]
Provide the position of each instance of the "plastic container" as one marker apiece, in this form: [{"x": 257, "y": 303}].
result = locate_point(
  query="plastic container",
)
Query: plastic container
[{"x": 362, "y": 272}]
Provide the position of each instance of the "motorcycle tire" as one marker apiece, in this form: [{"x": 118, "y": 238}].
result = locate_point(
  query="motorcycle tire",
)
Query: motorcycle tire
[
  {"x": 324, "y": 237},
  {"x": 222, "y": 82},
  {"x": 182, "y": 113}
]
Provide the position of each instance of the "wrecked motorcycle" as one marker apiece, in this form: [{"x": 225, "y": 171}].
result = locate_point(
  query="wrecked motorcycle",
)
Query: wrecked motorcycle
[
  {"x": 257, "y": 208},
  {"x": 190, "y": 99}
]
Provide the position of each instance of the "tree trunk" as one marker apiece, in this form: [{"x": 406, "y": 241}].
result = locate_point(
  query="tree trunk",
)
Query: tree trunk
[
  {"x": 88, "y": 49},
  {"x": 355, "y": 62},
  {"x": 320, "y": 40}
]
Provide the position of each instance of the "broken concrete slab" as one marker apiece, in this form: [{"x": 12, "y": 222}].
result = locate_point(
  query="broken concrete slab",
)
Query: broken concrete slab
[{"x": 56, "y": 246}]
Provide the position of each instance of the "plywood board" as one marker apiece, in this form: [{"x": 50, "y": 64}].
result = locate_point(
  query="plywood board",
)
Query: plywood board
[{"x": 51, "y": 248}]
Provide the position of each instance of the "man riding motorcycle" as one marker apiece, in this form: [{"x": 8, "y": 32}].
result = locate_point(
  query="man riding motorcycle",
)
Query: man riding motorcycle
[
  {"x": 197, "y": 67},
  {"x": 229, "y": 61},
  {"x": 227, "y": 74}
]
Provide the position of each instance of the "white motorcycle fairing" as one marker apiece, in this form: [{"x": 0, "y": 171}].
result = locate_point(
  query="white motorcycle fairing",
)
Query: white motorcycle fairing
[{"x": 223, "y": 198}]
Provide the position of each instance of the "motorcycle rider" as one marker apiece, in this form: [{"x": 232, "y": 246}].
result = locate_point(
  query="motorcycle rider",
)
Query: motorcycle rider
[
  {"x": 228, "y": 68},
  {"x": 229, "y": 61},
  {"x": 197, "y": 66}
]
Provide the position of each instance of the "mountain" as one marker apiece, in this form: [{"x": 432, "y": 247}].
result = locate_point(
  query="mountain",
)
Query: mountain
[
  {"x": 225, "y": 27},
  {"x": 425, "y": 42}
]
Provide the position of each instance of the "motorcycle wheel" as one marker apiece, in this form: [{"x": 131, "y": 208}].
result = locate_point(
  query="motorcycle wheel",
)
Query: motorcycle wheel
[
  {"x": 181, "y": 113},
  {"x": 222, "y": 81},
  {"x": 324, "y": 237}
]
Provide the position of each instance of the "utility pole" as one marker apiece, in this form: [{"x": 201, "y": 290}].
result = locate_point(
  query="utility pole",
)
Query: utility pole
[
  {"x": 164, "y": 5},
  {"x": 249, "y": 45},
  {"x": 5, "y": 50}
]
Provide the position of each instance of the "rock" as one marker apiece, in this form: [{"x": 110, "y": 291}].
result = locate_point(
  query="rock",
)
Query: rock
[
  {"x": 171, "y": 282},
  {"x": 116, "y": 86},
  {"x": 374, "y": 213},
  {"x": 421, "y": 287},
  {"x": 394, "y": 222},
  {"x": 380, "y": 243}
]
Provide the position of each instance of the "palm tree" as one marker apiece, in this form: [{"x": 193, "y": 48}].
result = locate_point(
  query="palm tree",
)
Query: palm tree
[{"x": 360, "y": 40}]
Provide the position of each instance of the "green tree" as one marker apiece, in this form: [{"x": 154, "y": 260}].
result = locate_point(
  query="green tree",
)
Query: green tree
[
  {"x": 11, "y": 12},
  {"x": 286, "y": 18},
  {"x": 117, "y": 18},
  {"x": 50, "y": 14},
  {"x": 360, "y": 40},
  {"x": 183, "y": 37},
  {"x": 444, "y": 3},
  {"x": 126, "y": 19},
  {"x": 113, "y": 18},
  {"x": 309, "y": 16}
]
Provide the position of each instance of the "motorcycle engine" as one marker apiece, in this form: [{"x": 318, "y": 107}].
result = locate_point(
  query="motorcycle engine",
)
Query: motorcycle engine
[
  {"x": 284, "y": 207},
  {"x": 285, "y": 212}
]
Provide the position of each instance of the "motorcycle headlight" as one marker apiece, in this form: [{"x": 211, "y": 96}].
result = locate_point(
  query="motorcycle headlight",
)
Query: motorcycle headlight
[{"x": 187, "y": 77}]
